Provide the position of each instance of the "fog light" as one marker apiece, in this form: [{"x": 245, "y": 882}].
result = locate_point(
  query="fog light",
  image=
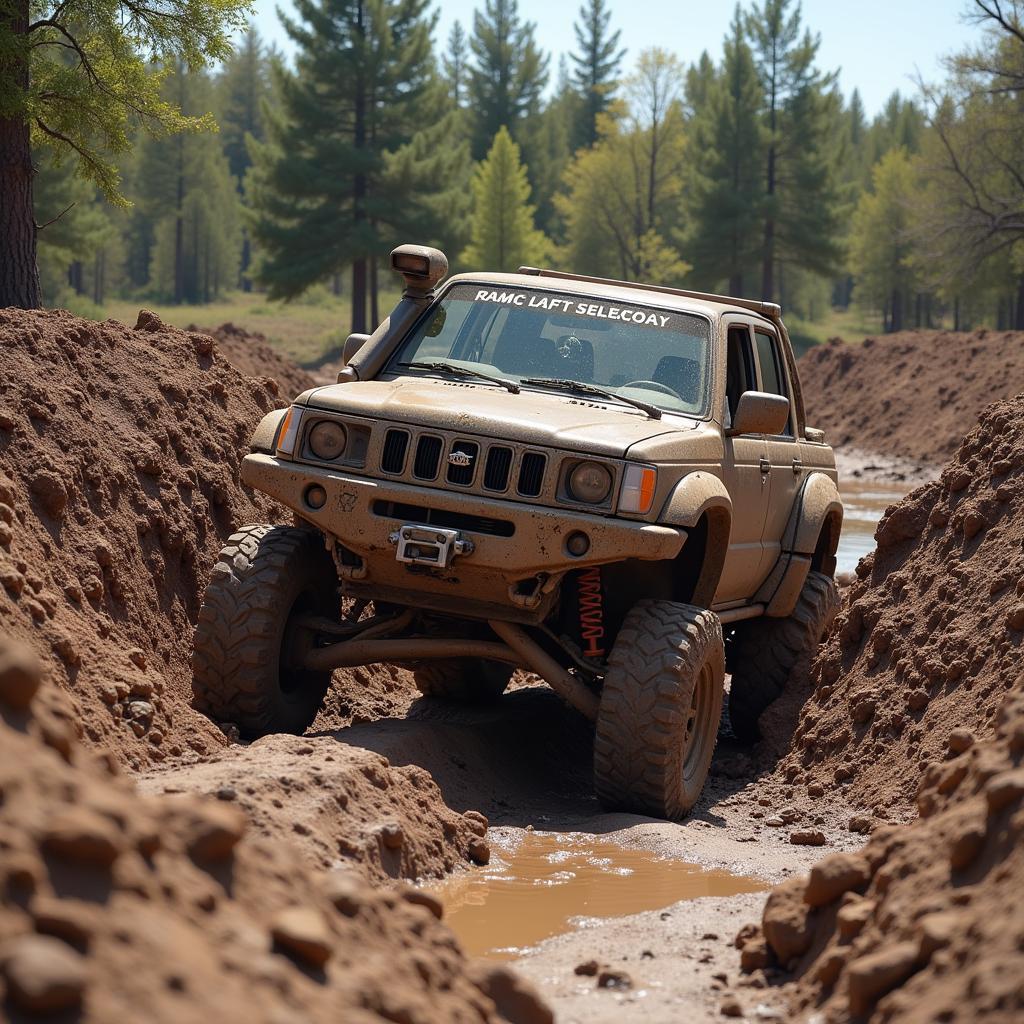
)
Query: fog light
[
  {"x": 316, "y": 496},
  {"x": 577, "y": 544}
]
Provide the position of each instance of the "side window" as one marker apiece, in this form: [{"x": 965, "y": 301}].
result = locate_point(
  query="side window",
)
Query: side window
[
  {"x": 739, "y": 369},
  {"x": 773, "y": 376}
]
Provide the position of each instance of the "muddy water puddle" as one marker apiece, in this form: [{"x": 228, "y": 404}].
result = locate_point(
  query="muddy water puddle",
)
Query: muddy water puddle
[
  {"x": 864, "y": 502},
  {"x": 544, "y": 884}
]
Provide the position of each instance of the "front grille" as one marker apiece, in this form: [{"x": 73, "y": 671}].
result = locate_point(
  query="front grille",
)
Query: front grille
[
  {"x": 396, "y": 444},
  {"x": 531, "y": 474},
  {"x": 496, "y": 472},
  {"x": 440, "y": 517},
  {"x": 428, "y": 457},
  {"x": 463, "y": 475}
]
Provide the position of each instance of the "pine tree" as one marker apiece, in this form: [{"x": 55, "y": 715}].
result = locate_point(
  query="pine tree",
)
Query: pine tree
[
  {"x": 597, "y": 61},
  {"x": 244, "y": 86},
  {"x": 508, "y": 74},
  {"x": 503, "y": 232},
  {"x": 454, "y": 62},
  {"x": 725, "y": 194},
  {"x": 699, "y": 79},
  {"x": 188, "y": 205},
  {"x": 800, "y": 203},
  {"x": 362, "y": 88},
  {"x": 78, "y": 77}
]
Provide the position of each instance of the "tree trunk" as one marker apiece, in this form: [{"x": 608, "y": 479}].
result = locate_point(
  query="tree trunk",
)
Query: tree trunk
[
  {"x": 956, "y": 314},
  {"x": 896, "y": 324},
  {"x": 179, "y": 229},
  {"x": 1018, "y": 320},
  {"x": 75, "y": 277},
  {"x": 19, "y": 276}
]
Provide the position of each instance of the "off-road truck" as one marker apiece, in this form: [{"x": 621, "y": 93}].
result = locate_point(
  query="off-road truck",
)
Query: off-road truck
[{"x": 591, "y": 480}]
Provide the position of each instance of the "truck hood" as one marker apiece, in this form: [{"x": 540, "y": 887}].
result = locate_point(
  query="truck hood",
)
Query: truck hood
[{"x": 547, "y": 419}]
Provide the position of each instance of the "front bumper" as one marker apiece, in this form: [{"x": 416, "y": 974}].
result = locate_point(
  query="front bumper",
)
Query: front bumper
[{"x": 498, "y": 571}]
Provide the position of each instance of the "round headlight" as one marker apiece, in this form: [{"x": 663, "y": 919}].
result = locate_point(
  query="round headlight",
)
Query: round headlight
[
  {"x": 590, "y": 482},
  {"x": 327, "y": 440}
]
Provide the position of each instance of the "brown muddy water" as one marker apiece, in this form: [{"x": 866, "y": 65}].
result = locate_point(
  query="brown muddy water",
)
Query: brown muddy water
[
  {"x": 540, "y": 884},
  {"x": 864, "y": 502}
]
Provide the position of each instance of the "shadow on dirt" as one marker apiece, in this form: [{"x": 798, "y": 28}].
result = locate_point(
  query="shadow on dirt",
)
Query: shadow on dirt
[{"x": 525, "y": 760}]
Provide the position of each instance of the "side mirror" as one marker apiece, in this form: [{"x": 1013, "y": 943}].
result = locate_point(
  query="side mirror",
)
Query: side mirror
[
  {"x": 760, "y": 413},
  {"x": 353, "y": 343}
]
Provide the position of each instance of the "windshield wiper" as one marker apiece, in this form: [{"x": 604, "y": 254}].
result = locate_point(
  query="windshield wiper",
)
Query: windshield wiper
[
  {"x": 463, "y": 371},
  {"x": 589, "y": 389}
]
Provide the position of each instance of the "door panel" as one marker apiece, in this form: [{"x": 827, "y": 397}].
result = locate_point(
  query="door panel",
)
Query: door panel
[{"x": 749, "y": 487}]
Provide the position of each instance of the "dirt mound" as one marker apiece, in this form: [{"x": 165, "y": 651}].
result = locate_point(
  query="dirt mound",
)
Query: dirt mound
[
  {"x": 924, "y": 924},
  {"x": 929, "y": 640},
  {"x": 250, "y": 352},
  {"x": 338, "y": 804},
  {"x": 911, "y": 395},
  {"x": 115, "y": 906},
  {"x": 119, "y": 460}
]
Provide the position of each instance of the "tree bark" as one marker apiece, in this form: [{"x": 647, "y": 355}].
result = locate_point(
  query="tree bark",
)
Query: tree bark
[
  {"x": 19, "y": 275},
  {"x": 1018, "y": 320}
]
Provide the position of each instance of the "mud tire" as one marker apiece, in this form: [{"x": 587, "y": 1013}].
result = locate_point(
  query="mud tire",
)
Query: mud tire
[
  {"x": 244, "y": 645},
  {"x": 660, "y": 709},
  {"x": 462, "y": 680},
  {"x": 763, "y": 653}
]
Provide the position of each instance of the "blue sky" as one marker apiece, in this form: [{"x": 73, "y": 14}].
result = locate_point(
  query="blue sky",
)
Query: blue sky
[{"x": 877, "y": 45}]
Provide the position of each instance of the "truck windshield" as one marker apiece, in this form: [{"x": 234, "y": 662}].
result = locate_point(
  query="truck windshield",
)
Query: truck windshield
[{"x": 645, "y": 353}]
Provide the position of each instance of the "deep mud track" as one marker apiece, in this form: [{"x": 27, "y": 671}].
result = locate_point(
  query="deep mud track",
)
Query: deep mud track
[{"x": 525, "y": 763}]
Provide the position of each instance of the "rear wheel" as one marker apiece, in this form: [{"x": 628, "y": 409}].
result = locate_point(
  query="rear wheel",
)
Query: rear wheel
[
  {"x": 249, "y": 643},
  {"x": 660, "y": 709},
  {"x": 763, "y": 653}
]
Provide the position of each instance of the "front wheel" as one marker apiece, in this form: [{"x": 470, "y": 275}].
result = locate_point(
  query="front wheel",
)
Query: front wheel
[
  {"x": 249, "y": 641},
  {"x": 660, "y": 708}
]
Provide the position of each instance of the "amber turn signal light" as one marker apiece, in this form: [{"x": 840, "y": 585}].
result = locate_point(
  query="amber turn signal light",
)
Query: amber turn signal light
[{"x": 638, "y": 486}]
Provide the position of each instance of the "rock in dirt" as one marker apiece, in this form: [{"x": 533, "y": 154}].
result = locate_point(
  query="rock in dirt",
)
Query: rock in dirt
[
  {"x": 303, "y": 932},
  {"x": 838, "y": 874},
  {"x": 43, "y": 974}
]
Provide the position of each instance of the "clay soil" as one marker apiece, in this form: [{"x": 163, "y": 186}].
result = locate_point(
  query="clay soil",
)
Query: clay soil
[
  {"x": 170, "y": 868},
  {"x": 908, "y": 397}
]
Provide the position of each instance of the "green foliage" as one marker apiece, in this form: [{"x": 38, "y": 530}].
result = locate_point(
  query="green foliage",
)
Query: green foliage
[
  {"x": 596, "y": 68},
  {"x": 243, "y": 88},
  {"x": 623, "y": 203},
  {"x": 96, "y": 68},
  {"x": 454, "y": 63},
  {"x": 508, "y": 73},
  {"x": 321, "y": 187},
  {"x": 801, "y": 202},
  {"x": 503, "y": 235},
  {"x": 725, "y": 197}
]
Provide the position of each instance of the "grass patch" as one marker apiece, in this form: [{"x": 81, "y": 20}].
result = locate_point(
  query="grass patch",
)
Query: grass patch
[{"x": 308, "y": 331}]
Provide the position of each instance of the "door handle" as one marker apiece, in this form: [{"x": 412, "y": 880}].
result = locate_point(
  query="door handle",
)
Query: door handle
[
  {"x": 797, "y": 466},
  {"x": 766, "y": 466}
]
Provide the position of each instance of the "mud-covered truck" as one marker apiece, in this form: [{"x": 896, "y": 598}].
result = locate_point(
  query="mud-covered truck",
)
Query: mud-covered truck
[{"x": 609, "y": 485}]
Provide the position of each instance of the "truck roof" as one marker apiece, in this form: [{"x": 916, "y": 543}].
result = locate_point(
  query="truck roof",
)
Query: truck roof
[{"x": 624, "y": 292}]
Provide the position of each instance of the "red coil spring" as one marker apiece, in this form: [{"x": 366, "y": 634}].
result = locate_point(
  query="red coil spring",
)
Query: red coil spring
[{"x": 591, "y": 607}]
